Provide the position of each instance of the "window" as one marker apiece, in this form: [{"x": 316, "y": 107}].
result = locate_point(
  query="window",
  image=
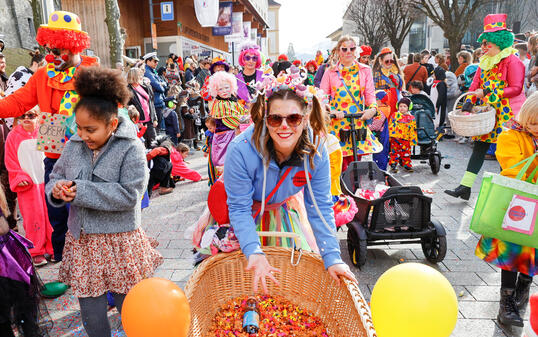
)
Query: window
[
  {"x": 271, "y": 39},
  {"x": 272, "y": 20}
]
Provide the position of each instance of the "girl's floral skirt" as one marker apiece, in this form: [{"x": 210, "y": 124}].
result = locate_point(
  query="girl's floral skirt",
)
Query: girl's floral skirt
[{"x": 97, "y": 263}]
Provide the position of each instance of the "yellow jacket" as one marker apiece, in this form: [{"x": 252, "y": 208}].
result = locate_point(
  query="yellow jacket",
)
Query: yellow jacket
[{"x": 512, "y": 147}]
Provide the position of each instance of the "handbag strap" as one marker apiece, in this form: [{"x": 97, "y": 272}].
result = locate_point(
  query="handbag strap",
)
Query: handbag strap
[
  {"x": 274, "y": 190},
  {"x": 349, "y": 91},
  {"x": 416, "y": 71},
  {"x": 528, "y": 161}
]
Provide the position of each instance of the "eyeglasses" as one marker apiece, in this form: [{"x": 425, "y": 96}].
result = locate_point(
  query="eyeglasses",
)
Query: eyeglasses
[
  {"x": 292, "y": 120},
  {"x": 344, "y": 49},
  {"x": 484, "y": 43},
  {"x": 248, "y": 58},
  {"x": 389, "y": 61},
  {"x": 55, "y": 51},
  {"x": 28, "y": 116}
]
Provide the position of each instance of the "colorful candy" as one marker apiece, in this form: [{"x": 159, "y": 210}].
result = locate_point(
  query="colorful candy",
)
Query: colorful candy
[{"x": 278, "y": 317}]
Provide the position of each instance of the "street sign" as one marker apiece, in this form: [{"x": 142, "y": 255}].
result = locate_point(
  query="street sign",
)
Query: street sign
[{"x": 167, "y": 11}]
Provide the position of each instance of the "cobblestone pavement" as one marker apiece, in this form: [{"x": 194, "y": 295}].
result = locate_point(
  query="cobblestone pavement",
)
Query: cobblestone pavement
[{"x": 476, "y": 282}]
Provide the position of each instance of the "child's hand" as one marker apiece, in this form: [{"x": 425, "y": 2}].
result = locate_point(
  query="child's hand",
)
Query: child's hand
[
  {"x": 178, "y": 134},
  {"x": 23, "y": 183},
  {"x": 64, "y": 190}
]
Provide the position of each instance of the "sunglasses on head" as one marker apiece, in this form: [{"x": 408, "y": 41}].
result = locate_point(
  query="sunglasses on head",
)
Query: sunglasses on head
[
  {"x": 344, "y": 49},
  {"x": 55, "y": 51},
  {"x": 292, "y": 120},
  {"x": 28, "y": 116},
  {"x": 248, "y": 58}
]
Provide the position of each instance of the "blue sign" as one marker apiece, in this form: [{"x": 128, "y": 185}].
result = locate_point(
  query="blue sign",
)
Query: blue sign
[{"x": 167, "y": 11}]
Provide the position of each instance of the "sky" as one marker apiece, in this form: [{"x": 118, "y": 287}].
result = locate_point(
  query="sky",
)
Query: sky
[{"x": 305, "y": 23}]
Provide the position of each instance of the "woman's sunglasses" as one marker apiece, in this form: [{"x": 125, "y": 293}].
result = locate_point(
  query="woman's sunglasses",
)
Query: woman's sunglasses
[
  {"x": 28, "y": 116},
  {"x": 389, "y": 61},
  {"x": 248, "y": 58},
  {"x": 344, "y": 49},
  {"x": 484, "y": 43},
  {"x": 292, "y": 120}
]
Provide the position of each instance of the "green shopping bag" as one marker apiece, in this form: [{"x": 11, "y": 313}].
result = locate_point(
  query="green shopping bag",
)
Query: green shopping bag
[{"x": 506, "y": 208}]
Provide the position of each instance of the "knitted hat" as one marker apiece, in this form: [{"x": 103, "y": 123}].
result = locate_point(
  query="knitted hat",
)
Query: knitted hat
[
  {"x": 366, "y": 50},
  {"x": 385, "y": 50},
  {"x": 406, "y": 101},
  {"x": 63, "y": 31}
]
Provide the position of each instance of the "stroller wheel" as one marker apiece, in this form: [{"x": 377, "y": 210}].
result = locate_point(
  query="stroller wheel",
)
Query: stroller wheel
[
  {"x": 356, "y": 248},
  {"x": 435, "y": 162},
  {"x": 434, "y": 248}
]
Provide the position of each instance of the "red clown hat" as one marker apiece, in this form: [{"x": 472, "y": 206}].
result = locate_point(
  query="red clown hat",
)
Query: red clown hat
[
  {"x": 494, "y": 22},
  {"x": 63, "y": 31}
]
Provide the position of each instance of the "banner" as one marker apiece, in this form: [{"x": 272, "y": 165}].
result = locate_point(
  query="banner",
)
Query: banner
[
  {"x": 246, "y": 30},
  {"x": 237, "y": 23},
  {"x": 207, "y": 12},
  {"x": 254, "y": 35},
  {"x": 224, "y": 20}
]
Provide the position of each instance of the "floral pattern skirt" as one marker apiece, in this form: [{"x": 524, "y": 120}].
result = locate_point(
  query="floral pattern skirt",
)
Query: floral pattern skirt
[{"x": 97, "y": 263}]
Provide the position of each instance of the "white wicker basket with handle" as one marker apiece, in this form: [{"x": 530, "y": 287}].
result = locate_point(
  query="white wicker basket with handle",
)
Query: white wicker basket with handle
[{"x": 475, "y": 124}]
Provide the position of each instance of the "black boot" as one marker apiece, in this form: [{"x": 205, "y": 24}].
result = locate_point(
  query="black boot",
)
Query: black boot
[
  {"x": 523, "y": 287},
  {"x": 508, "y": 313},
  {"x": 461, "y": 191}
]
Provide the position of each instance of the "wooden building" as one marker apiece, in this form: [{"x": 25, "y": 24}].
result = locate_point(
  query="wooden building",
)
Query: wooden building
[{"x": 183, "y": 35}]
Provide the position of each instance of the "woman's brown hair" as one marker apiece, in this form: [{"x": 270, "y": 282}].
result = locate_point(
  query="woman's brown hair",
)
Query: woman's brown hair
[{"x": 305, "y": 145}]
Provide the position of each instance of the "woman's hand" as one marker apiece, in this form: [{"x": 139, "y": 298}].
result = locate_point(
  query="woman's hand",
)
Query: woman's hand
[
  {"x": 368, "y": 113},
  {"x": 155, "y": 124},
  {"x": 338, "y": 114},
  {"x": 341, "y": 269},
  {"x": 261, "y": 268},
  {"x": 479, "y": 93}
]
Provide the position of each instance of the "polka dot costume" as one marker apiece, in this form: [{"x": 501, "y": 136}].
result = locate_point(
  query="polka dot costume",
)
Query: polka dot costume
[
  {"x": 491, "y": 79},
  {"x": 342, "y": 101},
  {"x": 70, "y": 98}
]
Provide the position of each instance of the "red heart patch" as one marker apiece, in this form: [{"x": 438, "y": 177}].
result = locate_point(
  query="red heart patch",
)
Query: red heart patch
[{"x": 299, "y": 179}]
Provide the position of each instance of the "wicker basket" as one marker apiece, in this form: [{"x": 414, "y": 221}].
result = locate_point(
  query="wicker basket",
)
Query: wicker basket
[
  {"x": 222, "y": 277},
  {"x": 474, "y": 124}
]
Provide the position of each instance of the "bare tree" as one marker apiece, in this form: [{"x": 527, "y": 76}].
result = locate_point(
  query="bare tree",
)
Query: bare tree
[
  {"x": 368, "y": 22},
  {"x": 114, "y": 31},
  {"x": 453, "y": 16},
  {"x": 398, "y": 17}
]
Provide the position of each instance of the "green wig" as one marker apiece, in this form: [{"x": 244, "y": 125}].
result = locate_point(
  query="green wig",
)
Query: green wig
[{"x": 502, "y": 38}]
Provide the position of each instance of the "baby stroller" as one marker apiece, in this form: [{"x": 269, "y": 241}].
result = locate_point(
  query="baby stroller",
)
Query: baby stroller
[
  {"x": 424, "y": 112},
  {"x": 401, "y": 215}
]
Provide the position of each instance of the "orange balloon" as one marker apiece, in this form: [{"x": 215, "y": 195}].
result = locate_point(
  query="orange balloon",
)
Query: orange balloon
[{"x": 156, "y": 307}]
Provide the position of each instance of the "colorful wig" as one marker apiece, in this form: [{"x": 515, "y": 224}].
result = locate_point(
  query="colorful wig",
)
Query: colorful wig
[
  {"x": 313, "y": 64},
  {"x": 252, "y": 49},
  {"x": 219, "y": 77},
  {"x": 283, "y": 57},
  {"x": 297, "y": 63},
  {"x": 502, "y": 38},
  {"x": 74, "y": 41}
]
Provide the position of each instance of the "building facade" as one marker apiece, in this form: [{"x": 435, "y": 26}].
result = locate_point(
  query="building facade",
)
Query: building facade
[
  {"x": 17, "y": 24},
  {"x": 273, "y": 33}
]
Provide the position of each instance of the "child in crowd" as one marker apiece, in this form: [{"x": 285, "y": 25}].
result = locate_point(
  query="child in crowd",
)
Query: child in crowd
[
  {"x": 226, "y": 111},
  {"x": 212, "y": 174},
  {"x": 177, "y": 156},
  {"x": 439, "y": 92},
  {"x": 161, "y": 166},
  {"x": 417, "y": 88},
  {"x": 102, "y": 173},
  {"x": 134, "y": 116},
  {"x": 26, "y": 177},
  {"x": 171, "y": 121},
  {"x": 402, "y": 135}
]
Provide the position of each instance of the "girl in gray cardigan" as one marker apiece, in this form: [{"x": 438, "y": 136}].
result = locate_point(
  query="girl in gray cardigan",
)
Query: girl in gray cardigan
[{"x": 102, "y": 173}]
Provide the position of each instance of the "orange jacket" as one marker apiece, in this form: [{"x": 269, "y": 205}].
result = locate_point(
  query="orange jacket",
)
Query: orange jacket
[
  {"x": 512, "y": 147},
  {"x": 40, "y": 90}
]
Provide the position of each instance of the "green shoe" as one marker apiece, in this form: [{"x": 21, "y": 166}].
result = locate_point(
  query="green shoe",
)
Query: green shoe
[{"x": 53, "y": 289}]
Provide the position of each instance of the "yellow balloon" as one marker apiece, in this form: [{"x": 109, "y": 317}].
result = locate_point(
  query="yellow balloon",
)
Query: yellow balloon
[{"x": 413, "y": 300}]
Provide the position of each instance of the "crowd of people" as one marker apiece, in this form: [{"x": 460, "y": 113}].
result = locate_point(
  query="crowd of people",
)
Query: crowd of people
[{"x": 276, "y": 137}]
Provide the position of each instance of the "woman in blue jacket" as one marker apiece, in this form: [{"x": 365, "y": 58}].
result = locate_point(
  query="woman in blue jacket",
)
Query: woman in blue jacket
[{"x": 286, "y": 145}]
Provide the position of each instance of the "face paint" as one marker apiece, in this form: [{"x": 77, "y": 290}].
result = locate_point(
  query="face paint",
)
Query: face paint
[
  {"x": 224, "y": 90},
  {"x": 59, "y": 60}
]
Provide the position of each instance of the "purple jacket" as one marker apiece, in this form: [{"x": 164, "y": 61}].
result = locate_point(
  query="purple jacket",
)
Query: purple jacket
[
  {"x": 15, "y": 260},
  {"x": 242, "y": 91}
]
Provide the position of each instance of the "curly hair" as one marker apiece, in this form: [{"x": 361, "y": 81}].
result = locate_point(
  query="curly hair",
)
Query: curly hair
[
  {"x": 71, "y": 40},
  {"x": 101, "y": 90},
  {"x": 219, "y": 77},
  {"x": 502, "y": 38}
]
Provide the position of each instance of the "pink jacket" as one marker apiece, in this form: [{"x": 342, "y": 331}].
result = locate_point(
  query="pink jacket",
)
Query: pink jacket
[
  {"x": 179, "y": 169},
  {"x": 331, "y": 82},
  {"x": 512, "y": 71}
]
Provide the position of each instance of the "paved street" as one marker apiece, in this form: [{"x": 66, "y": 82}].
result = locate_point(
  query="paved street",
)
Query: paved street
[{"x": 475, "y": 282}]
